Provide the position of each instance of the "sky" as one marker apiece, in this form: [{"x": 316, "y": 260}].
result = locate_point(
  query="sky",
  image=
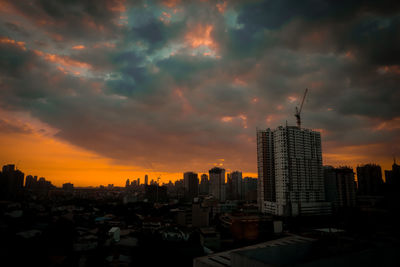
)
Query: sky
[{"x": 97, "y": 91}]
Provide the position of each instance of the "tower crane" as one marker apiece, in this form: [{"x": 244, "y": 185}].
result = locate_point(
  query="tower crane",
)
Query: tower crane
[{"x": 298, "y": 110}]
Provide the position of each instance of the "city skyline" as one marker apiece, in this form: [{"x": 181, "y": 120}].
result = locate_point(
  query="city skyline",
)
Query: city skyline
[{"x": 97, "y": 92}]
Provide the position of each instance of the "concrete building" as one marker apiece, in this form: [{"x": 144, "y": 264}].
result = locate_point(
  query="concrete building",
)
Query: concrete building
[
  {"x": 290, "y": 172},
  {"x": 204, "y": 185},
  {"x": 249, "y": 189},
  {"x": 217, "y": 183},
  {"x": 191, "y": 185},
  {"x": 11, "y": 181},
  {"x": 271, "y": 253},
  {"x": 340, "y": 187},
  {"x": 235, "y": 185},
  {"x": 369, "y": 177}
]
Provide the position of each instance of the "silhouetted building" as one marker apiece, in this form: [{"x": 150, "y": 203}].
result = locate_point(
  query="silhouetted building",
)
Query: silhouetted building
[
  {"x": 42, "y": 186},
  {"x": 155, "y": 193},
  {"x": 127, "y": 184},
  {"x": 249, "y": 189},
  {"x": 340, "y": 186},
  {"x": 393, "y": 177},
  {"x": 30, "y": 181},
  {"x": 217, "y": 183},
  {"x": 204, "y": 185},
  {"x": 369, "y": 178},
  {"x": 191, "y": 185},
  {"x": 290, "y": 172},
  {"x": 146, "y": 179},
  {"x": 200, "y": 215},
  {"x": 11, "y": 181},
  {"x": 234, "y": 186},
  {"x": 68, "y": 186}
]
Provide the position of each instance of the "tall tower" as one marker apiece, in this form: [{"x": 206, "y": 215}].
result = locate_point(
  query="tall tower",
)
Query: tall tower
[
  {"x": 235, "y": 185},
  {"x": 265, "y": 168},
  {"x": 290, "y": 172},
  {"x": 191, "y": 185},
  {"x": 146, "y": 179},
  {"x": 217, "y": 183}
]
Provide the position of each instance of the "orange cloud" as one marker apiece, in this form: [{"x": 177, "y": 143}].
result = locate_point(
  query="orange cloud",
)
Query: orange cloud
[
  {"x": 187, "y": 108},
  {"x": 393, "y": 69},
  {"x": 391, "y": 125},
  {"x": 5, "y": 40},
  {"x": 66, "y": 64},
  {"x": 222, "y": 6},
  {"x": 200, "y": 35},
  {"x": 170, "y": 3},
  {"x": 226, "y": 119},
  {"x": 117, "y": 6},
  {"x": 78, "y": 47}
]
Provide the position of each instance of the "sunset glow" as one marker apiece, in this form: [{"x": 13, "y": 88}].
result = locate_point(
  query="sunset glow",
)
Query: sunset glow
[{"x": 94, "y": 95}]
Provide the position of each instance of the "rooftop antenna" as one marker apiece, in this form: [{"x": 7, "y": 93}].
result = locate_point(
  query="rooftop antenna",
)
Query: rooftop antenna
[{"x": 298, "y": 110}]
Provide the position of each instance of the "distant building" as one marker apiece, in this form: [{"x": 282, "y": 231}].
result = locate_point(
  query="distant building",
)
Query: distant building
[
  {"x": 340, "y": 187},
  {"x": 127, "y": 184},
  {"x": 249, "y": 189},
  {"x": 217, "y": 183},
  {"x": 370, "y": 181},
  {"x": 290, "y": 172},
  {"x": 234, "y": 185},
  {"x": 30, "y": 181},
  {"x": 146, "y": 179},
  {"x": 69, "y": 186},
  {"x": 200, "y": 215},
  {"x": 155, "y": 193},
  {"x": 191, "y": 185},
  {"x": 392, "y": 177},
  {"x": 204, "y": 185},
  {"x": 11, "y": 181}
]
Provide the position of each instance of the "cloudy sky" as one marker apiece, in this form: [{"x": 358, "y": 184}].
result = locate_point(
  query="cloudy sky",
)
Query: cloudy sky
[{"x": 98, "y": 91}]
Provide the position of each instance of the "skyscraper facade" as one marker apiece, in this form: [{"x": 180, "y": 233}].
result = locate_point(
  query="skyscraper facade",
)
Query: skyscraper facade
[
  {"x": 11, "y": 181},
  {"x": 369, "y": 178},
  {"x": 217, "y": 183},
  {"x": 204, "y": 185},
  {"x": 340, "y": 187},
  {"x": 191, "y": 185},
  {"x": 234, "y": 185},
  {"x": 290, "y": 172}
]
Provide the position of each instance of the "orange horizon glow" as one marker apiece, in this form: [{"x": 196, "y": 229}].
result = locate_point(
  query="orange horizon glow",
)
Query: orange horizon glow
[{"x": 61, "y": 162}]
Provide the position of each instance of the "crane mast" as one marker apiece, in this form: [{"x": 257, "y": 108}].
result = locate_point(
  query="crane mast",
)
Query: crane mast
[{"x": 298, "y": 110}]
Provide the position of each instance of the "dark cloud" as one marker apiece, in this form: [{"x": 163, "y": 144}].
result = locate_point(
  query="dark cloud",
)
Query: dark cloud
[{"x": 189, "y": 89}]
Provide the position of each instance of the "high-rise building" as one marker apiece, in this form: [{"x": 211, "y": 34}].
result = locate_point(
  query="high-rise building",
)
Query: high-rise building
[
  {"x": 369, "y": 178},
  {"x": 29, "y": 181},
  {"x": 11, "y": 181},
  {"x": 249, "y": 189},
  {"x": 146, "y": 179},
  {"x": 393, "y": 177},
  {"x": 234, "y": 185},
  {"x": 340, "y": 187},
  {"x": 127, "y": 183},
  {"x": 191, "y": 185},
  {"x": 217, "y": 183},
  {"x": 290, "y": 172},
  {"x": 204, "y": 185}
]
